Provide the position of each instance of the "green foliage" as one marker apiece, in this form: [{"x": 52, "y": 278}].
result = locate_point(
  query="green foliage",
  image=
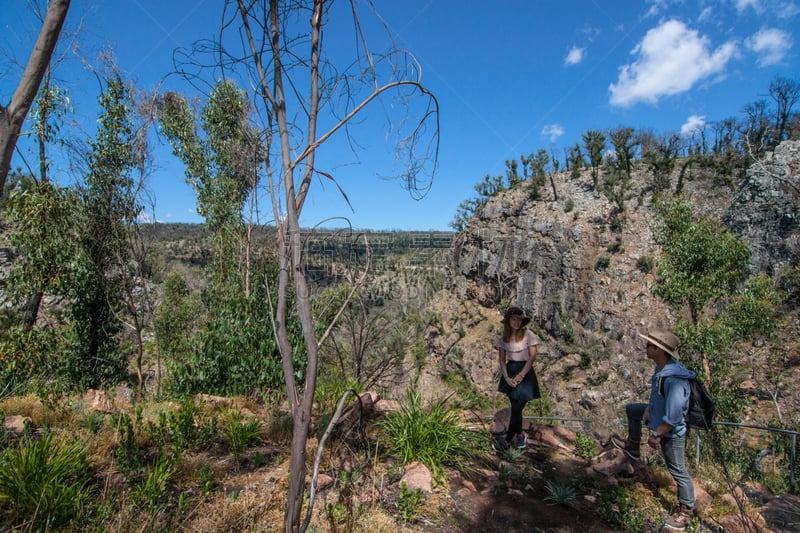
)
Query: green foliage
[
  {"x": 45, "y": 482},
  {"x": 569, "y": 205},
  {"x": 557, "y": 493},
  {"x": 618, "y": 508},
  {"x": 645, "y": 264},
  {"x": 409, "y": 502},
  {"x": 585, "y": 447},
  {"x": 239, "y": 433},
  {"x": 152, "y": 490},
  {"x": 615, "y": 247},
  {"x": 603, "y": 262},
  {"x": 790, "y": 284},
  {"x": 660, "y": 154},
  {"x": 755, "y": 312},
  {"x": 109, "y": 197},
  {"x": 702, "y": 260},
  {"x": 344, "y": 513},
  {"x": 595, "y": 143},
  {"x": 176, "y": 317},
  {"x": 489, "y": 187},
  {"x": 575, "y": 161},
  {"x": 434, "y": 435}
]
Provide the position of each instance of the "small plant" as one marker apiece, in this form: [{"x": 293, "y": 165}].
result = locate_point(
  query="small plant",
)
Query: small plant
[
  {"x": 512, "y": 454},
  {"x": 409, "y": 502},
  {"x": 619, "y": 510},
  {"x": 504, "y": 474},
  {"x": 207, "y": 484},
  {"x": 585, "y": 447},
  {"x": 569, "y": 205},
  {"x": 46, "y": 481},
  {"x": 615, "y": 247},
  {"x": 434, "y": 436},
  {"x": 603, "y": 263},
  {"x": 645, "y": 264},
  {"x": 558, "y": 493},
  {"x": 151, "y": 491},
  {"x": 343, "y": 514},
  {"x": 241, "y": 434}
]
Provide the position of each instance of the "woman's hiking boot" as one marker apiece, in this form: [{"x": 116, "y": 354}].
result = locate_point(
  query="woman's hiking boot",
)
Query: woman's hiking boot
[
  {"x": 680, "y": 518},
  {"x": 500, "y": 445},
  {"x": 629, "y": 447}
]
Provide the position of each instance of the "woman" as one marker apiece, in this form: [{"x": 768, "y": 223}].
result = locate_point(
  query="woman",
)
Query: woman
[{"x": 516, "y": 352}]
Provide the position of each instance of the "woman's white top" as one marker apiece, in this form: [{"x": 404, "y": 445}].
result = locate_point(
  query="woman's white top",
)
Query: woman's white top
[{"x": 518, "y": 350}]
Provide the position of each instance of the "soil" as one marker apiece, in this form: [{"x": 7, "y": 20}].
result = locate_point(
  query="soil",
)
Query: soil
[{"x": 522, "y": 504}]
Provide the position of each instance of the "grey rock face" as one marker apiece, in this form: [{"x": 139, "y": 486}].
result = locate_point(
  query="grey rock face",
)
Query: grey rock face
[{"x": 766, "y": 210}]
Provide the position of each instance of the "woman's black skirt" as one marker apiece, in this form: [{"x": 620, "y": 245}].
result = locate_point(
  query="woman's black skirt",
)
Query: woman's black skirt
[{"x": 527, "y": 390}]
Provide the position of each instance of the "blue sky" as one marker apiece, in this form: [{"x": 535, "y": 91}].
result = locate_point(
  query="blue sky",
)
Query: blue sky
[{"x": 511, "y": 79}]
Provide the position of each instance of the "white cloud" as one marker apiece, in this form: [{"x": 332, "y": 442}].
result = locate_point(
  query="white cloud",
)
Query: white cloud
[
  {"x": 741, "y": 5},
  {"x": 574, "y": 56},
  {"x": 706, "y": 14},
  {"x": 786, "y": 10},
  {"x": 692, "y": 124},
  {"x": 770, "y": 44},
  {"x": 553, "y": 131},
  {"x": 670, "y": 59}
]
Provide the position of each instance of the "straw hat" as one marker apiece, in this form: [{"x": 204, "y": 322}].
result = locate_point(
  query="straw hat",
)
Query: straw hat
[
  {"x": 515, "y": 311},
  {"x": 663, "y": 339}
]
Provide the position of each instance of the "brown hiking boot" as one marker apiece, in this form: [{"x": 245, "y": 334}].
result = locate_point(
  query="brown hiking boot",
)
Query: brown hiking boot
[
  {"x": 630, "y": 448},
  {"x": 680, "y": 518}
]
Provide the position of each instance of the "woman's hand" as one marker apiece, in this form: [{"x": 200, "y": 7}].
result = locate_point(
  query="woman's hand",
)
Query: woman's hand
[{"x": 512, "y": 382}]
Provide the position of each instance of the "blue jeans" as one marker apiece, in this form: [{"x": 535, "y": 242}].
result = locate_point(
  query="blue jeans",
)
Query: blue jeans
[{"x": 673, "y": 449}]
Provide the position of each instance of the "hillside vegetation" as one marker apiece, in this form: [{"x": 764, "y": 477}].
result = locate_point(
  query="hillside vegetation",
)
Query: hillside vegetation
[{"x": 143, "y": 385}]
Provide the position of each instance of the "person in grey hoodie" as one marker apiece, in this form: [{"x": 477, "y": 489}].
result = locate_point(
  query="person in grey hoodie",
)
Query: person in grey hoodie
[{"x": 665, "y": 416}]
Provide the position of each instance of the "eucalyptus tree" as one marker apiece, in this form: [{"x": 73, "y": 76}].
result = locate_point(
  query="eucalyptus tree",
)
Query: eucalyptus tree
[
  {"x": 111, "y": 209},
  {"x": 307, "y": 97},
  {"x": 756, "y": 129},
  {"x": 221, "y": 149},
  {"x": 618, "y": 184},
  {"x": 595, "y": 143},
  {"x": 575, "y": 160},
  {"x": 13, "y": 114},
  {"x": 702, "y": 265},
  {"x": 785, "y": 92},
  {"x": 660, "y": 154}
]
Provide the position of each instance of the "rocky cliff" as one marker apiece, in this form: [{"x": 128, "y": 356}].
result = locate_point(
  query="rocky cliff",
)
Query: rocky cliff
[{"x": 581, "y": 274}]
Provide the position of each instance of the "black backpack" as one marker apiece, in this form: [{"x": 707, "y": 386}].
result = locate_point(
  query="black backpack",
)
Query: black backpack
[{"x": 701, "y": 405}]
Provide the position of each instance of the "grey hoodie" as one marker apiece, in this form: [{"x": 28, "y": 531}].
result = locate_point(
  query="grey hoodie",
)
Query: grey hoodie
[{"x": 670, "y": 408}]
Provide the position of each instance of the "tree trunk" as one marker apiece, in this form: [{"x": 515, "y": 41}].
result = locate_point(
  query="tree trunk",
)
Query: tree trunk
[
  {"x": 32, "y": 309},
  {"x": 12, "y": 117}
]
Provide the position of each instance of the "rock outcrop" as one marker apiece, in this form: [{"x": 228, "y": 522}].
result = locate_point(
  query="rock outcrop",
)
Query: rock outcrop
[
  {"x": 766, "y": 211},
  {"x": 581, "y": 272}
]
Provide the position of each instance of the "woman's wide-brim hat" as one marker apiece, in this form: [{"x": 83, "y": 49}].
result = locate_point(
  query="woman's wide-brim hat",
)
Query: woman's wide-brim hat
[
  {"x": 663, "y": 339},
  {"x": 516, "y": 311}
]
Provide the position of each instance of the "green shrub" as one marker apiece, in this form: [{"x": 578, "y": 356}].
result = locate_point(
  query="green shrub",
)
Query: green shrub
[
  {"x": 153, "y": 488},
  {"x": 409, "y": 502},
  {"x": 585, "y": 447},
  {"x": 241, "y": 434},
  {"x": 46, "y": 482},
  {"x": 615, "y": 247},
  {"x": 569, "y": 205},
  {"x": 618, "y": 508},
  {"x": 434, "y": 436},
  {"x": 603, "y": 263},
  {"x": 645, "y": 264}
]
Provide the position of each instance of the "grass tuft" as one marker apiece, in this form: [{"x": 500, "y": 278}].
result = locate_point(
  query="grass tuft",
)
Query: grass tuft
[
  {"x": 46, "y": 482},
  {"x": 434, "y": 436}
]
